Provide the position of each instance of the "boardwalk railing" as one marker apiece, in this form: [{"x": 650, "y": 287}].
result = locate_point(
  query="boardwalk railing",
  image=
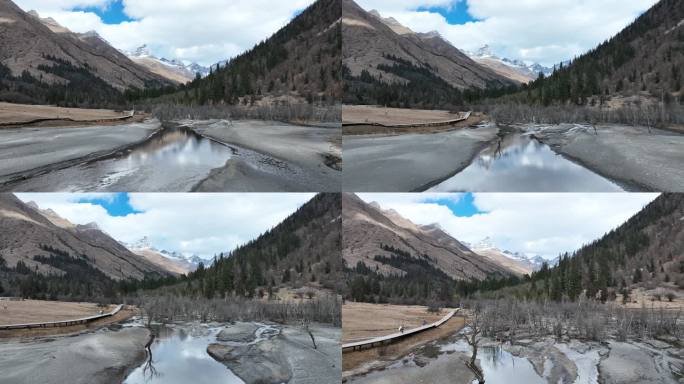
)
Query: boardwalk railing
[
  {"x": 377, "y": 341},
  {"x": 462, "y": 117},
  {"x": 62, "y": 323}
]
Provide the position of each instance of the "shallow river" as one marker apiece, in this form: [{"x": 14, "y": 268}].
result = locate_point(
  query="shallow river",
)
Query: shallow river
[
  {"x": 518, "y": 163},
  {"x": 174, "y": 160},
  {"x": 498, "y": 365},
  {"x": 179, "y": 356}
]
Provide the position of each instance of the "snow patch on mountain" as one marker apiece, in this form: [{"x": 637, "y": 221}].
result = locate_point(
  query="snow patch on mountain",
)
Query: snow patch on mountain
[
  {"x": 145, "y": 244},
  {"x": 532, "y": 70},
  {"x": 535, "y": 261},
  {"x": 188, "y": 69}
]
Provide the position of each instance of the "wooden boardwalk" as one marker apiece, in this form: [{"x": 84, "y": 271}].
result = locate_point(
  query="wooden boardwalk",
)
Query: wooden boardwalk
[
  {"x": 63, "y": 323},
  {"x": 388, "y": 339}
]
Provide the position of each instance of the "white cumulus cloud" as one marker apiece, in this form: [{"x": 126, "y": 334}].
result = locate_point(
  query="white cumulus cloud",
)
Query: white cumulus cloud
[
  {"x": 203, "y": 31},
  {"x": 535, "y": 224},
  {"x": 544, "y": 31},
  {"x": 202, "y": 224}
]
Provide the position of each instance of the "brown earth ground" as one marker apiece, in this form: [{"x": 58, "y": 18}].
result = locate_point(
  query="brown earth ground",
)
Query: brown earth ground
[
  {"x": 383, "y": 317},
  {"x": 396, "y": 116},
  {"x": 364, "y": 321},
  {"x": 35, "y": 311},
  {"x": 20, "y": 115},
  {"x": 392, "y": 116}
]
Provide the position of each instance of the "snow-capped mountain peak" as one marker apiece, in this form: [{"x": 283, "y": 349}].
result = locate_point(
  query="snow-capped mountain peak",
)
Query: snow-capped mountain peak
[
  {"x": 486, "y": 56},
  {"x": 172, "y": 69},
  {"x": 141, "y": 51},
  {"x": 485, "y": 243},
  {"x": 485, "y": 51}
]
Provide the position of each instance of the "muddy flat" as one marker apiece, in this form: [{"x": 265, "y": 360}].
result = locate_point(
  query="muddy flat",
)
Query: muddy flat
[
  {"x": 38, "y": 311},
  {"x": 24, "y": 151},
  {"x": 91, "y": 358},
  {"x": 284, "y": 157},
  {"x": 651, "y": 161},
  {"x": 364, "y": 321},
  {"x": 411, "y": 162},
  {"x": 22, "y": 113}
]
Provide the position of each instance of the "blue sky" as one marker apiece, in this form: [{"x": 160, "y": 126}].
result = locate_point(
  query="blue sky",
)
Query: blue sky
[
  {"x": 190, "y": 223},
  {"x": 116, "y": 205},
  {"x": 531, "y": 223},
  {"x": 463, "y": 206},
  {"x": 113, "y": 13},
  {"x": 542, "y": 31},
  {"x": 204, "y": 31},
  {"x": 454, "y": 15}
]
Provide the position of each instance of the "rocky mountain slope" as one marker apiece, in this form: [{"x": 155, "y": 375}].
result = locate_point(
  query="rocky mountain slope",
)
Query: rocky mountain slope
[
  {"x": 173, "y": 70},
  {"x": 36, "y": 53},
  {"x": 372, "y": 234},
  {"x": 386, "y": 63},
  {"x": 44, "y": 243}
]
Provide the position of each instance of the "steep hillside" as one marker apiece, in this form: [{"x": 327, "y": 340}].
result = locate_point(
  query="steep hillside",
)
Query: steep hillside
[
  {"x": 38, "y": 57},
  {"x": 301, "y": 251},
  {"x": 70, "y": 259},
  {"x": 298, "y": 63},
  {"x": 647, "y": 251},
  {"x": 397, "y": 258},
  {"x": 386, "y": 63},
  {"x": 646, "y": 59}
]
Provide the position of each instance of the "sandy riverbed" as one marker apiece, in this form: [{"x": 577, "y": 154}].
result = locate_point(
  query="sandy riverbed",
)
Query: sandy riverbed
[
  {"x": 294, "y": 158},
  {"x": 104, "y": 357},
  {"x": 411, "y": 162},
  {"x": 645, "y": 161},
  {"x": 27, "y": 151}
]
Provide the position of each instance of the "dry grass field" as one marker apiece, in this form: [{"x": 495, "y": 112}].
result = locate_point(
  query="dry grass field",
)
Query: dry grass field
[
  {"x": 356, "y": 114},
  {"x": 37, "y": 311},
  {"x": 361, "y": 114},
  {"x": 363, "y": 321},
  {"x": 21, "y": 113}
]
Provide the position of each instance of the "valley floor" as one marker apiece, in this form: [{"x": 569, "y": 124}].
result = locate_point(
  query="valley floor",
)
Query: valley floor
[
  {"x": 646, "y": 160},
  {"x": 301, "y": 158},
  {"x": 534, "y": 360},
  {"x": 23, "y": 114},
  {"x": 203, "y": 352},
  {"x": 209, "y": 156},
  {"x": 410, "y": 162},
  {"x": 27, "y": 152},
  {"x": 631, "y": 158}
]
